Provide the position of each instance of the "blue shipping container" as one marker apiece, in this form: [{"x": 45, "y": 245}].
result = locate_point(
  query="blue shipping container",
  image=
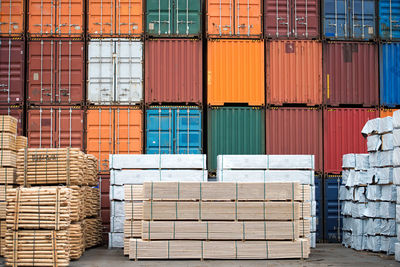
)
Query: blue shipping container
[
  {"x": 389, "y": 19},
  {"x": 349, "y": 19},
  {"x": 333, "y": 218},
  {"x": 318, "y": 187},
  {"x": 173, "y": 130},
  {"x": 389, "y": 74}
]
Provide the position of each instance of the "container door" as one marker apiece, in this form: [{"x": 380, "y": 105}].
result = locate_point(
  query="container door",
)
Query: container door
[
  {"x": 362, "y": 19},
  {"x": 336, "y": 19},
  {"x": 160, "y": 17},
  {"x": 318, "y": 199},
  {"x": 129, "y": 17},
  {"x": 101, "y": 17},
  {"x": 277, "y": 18},
  {"x": 128, "y": 71},
  {"x": 160, "y": 131},
  {"x": 101, "y": 72},
  {"x": 389, "y": 19},
  {"x": 41, "y": 128},
  {"x": 248, "y": 17},
  {"x": 333, "y": 218},
  {"x": 11, "y": 71},
  {"x": 306, "y": 18},
  {"x": 128, "y": 131},
  {"x": 220, "y": 17},
  {"x": 188, "y": 134},
  {"x": 70, "y": 18},
  {"x": 187, "y": 15},
  {"x": 69, "y": 127},
  {"x": 42, "y": 17},
  {"x": 12, "y": 17}
]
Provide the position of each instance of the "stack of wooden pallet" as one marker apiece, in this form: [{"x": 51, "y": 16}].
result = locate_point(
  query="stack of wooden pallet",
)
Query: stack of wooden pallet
[{"x": 212, "y": 220}]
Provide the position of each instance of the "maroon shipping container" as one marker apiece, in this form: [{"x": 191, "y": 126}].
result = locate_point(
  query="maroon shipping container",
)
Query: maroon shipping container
[
  {"x": 342, "y": 134},
  {"x": 351, "y": 74},
  {"x": 55, "y": 127},
  {"x": 16, "y": 112},
  {"x": 56, "y": 72},
  {"x": 291, "y": 19},
  {"x": 173, "y": 70},
  {"x": 12, "y": 71},
  {"x": 295, "y": 131}
]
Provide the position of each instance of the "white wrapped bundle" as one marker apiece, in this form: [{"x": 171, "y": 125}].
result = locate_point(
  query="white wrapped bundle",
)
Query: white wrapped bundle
[
  {"x": 117, "y": 192},
  {"x": 117, "y": 224},
  {"x": 398, "y": 231},
  {"x": 347, "y": 239},
  {"x": 373, "y": 192},
  {"x": 117, "y": 208},
  {"x": 396, "y": 176},
  {"x": 374, "y": 159},
  {"x": 347, "y": 223},
  {"x": 115, "y": 240},
  {"x": 363, "y": 177},
  {"x": 371, "y": 226},
  {"x": 384, "y": 175},
  {"x": 345, "y": 193},
  {"x": 396, "y": 137},
  {"x": 359, "y": 195},
  {"x": 387, "y": 210},
  {"x": 397, "y": 194},
  {"x": 362, "y": 161},
  {"x": 387, "y": 141},
  {"x": 388, "y": 193},
  {"x": 345, "y": 175},
  {"x": 357, "y": 227},
  {"x": 387, "y": 227},
  {"x": 396, "y": 119},
  {"x": 396, "y": 156},
  {"x": 387, "y": 244},
  {"x": 397, "y": 251},
  {"x": 346, "y": 208},
  {"x": 369, "y": 210},
  {"x": 374, "y": 143},
  {"x": 358, "y": 242},
  {"x": 385, "y": 159},
  {"x": 370, "y": 127},
  {"x": 351, "y": 179},
  {"x": 398, "y": 213},
  {"x": 385, "y": 125},
  {"x": 349, "y": 161},
  {"x": 373, "y": 243}
]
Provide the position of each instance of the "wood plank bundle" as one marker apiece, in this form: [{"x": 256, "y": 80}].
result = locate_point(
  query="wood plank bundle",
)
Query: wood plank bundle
[
  {"x": 92, "y": 230},
  {"x": 37, "y": 248},
  {"x": 91, "y": 205},
  {"x": 8, "y": 124},
  {"x": 77, "y": 204},
  {"x": 76, "y": 240},
  {"x": 2, "y": 246},
  {"x": 133, "y": 192},
  {"x": 3, "y": 191},
  {"x": 8, "y": 158},
  {"x": 22, "y": 142},
  {"x": 8, "y": 141},
  {"x": 3, "y": 206},
  {"x": 7, "y": 175},
  {"x": 91, "y": 178}
]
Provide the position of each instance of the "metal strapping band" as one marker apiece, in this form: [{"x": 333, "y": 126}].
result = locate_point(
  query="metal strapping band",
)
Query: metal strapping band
[{"x": 266, "y": 248}]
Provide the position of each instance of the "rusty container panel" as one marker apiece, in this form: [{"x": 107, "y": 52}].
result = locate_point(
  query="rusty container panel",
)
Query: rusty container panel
[
  {"x": 295, "y": 131},
  {"x": 173, "y": 71},
  {"x": 55, "y": 72},
  {"x": 291, "y": 19},
  {"x": 294, "y": 72},
  {"x": 235, "y": 72},
  {"x": 342, "y": 134},
  {"x": 48, "y": 18},
  {"x": 55, "y": 126},
  {"x": 12, "y": 71},
  {"x": 115, "y": 18},
  {"x": 16, "y": 112},
  {"x": 227, "y": 18},
  {"x": 386, "y": 112},
  {"x": 351, "y": 74},
  {"x": 12, "y": 17},
  {"x": 113, "y": 130}
]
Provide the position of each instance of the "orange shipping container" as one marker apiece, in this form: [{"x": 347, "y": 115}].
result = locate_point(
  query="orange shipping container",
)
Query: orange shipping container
[
  {"x": 235, "y": 70},
  {"x": 115, "y": 18},
  {"x": 12, "y": 17},
  {"x": 113, "y": 130},
  {"x": 49, "y": 18},
  {"x": 294, "y": 72},
  {"x": 386, "y": 112}
]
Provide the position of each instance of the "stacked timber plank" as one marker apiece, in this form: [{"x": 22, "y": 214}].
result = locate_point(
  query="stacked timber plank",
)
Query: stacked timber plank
[
  {"x": 134, "y": 170},
  {"x": 214, "y": 220},
  {"x": 274, "y": 168}
]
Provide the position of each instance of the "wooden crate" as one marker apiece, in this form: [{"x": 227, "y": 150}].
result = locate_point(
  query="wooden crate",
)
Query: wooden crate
[
  {"x": 7, "y": 175},
  {"x": 8, "y": 124}
]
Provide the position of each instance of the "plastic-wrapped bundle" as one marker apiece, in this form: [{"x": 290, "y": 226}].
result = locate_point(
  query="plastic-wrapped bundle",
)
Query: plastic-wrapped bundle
[
  {"x": 397, "y": 251},
  {"x": 384, "y": 175},
  {"x": 385, "y": 158},
  {"x": 396, "y": 176},
  {"x": 349, "y": 161},
  {"x": 359, "y": 195},
  {"x": 396, "y": 137},
  {"x": 358, "y": 242},
  {"x": 346, "y": 208},
  {"x": 398, "y": 213},
  {"x": 396, "y": 119},
  {"x": 347, "y": 223},
  {"x": 373, "y": 243},
  {"x": 385, "y": 125},
  {"x": 396, "y": 156},
  {"x": 374, "y": 143},
  {"x": 373, "y": 192},
  {"x": 387, "y": 141},
  {"x": 388, "y": 193},
  {"x": 387, "y": 244},
  {"x": 362, "y": 161},
  {"x": 351, "y": 179},
  {"x": 374, "y": 159},
  {"x": 357, "y": 227},
  {"x": 345, "y": 193},
  {"x": 347, "y": 239},
  {"x": 371, "y": 226},
  {"x": 387, "y": 210},
  {"x": 370, "y": 127},
  {"x": 345, "y": 175},
  {"x": 387, "y": 227},
  {"x": 363, "y": 177}
]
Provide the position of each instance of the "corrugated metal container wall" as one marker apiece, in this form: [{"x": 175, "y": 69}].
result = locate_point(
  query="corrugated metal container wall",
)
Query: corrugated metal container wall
[
  {"x": 171, "y": 130},
  {"x": 62, "y": 18},
  {"x": 55, "y": 127},
  {"x": 295, "y": 131},
  {"x": 105, "y": 203},
  {"x": 386, "y": 112},
  {"x": 333, "y": 218},
  {"x": 389, "y": 19},
  {"x": 115, "y": 72},
  {"x": 115, "y": 18},
  {"x": 389, "y": 74},
  {"x": 349, "y": 19},
  {"x": 174, "y": 71},
  {"x": 16, "y": 112},
  {"x": 294, "y": 72},
  {"x": 319, "y": 208},
  {"x": 235, "y": 72},
  {"x": 113, "y": 130},
  {"x": 12, "y": 18},
  {"x": 12, "y": 71},
  {"x": 342, "y": 134},
  {"x": 55, "y": 72},
  {"x": 234, "y": 18},
  {"x": 234, "y": 130},
  {"x": 173, "y": 18},
  {"x": 351, "y": 74},
  {"x": 291, "y": 19}
]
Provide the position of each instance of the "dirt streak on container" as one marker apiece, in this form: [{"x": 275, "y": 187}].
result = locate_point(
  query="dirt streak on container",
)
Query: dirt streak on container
[
  {"x": 12, "y": 17},
  {"x": 113, "y": 130},
  {"x": 385, "y": 112},
  {"x": 55, "y": 126},
  {"x": 294, "y": 72},
  {"x": 295, "y": 131},
  {"x": 351, "y": 73},
  {"x": 115, "y": 18},
  {"x": 12, "y": 71},
  {"x": 291, "y": 19},
  {"x": 18, "y": 113},
  {"x": 342, "y": 134},
  {"x": 173, "y": 70},
  {"x": 62, "y": 18},
  {"x": 389, "y": 55},
  {"x": 55, "y": 72},
  {"x": 235, "y": 72},
  {"x": 234, "y": 18}
]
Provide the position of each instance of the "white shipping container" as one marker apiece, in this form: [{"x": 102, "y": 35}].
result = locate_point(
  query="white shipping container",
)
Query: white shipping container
[{"x": 115, "y": 71}]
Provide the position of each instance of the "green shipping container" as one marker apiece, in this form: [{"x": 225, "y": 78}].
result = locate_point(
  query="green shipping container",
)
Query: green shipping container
[
  {"x": 173, "y": 18},
  {"x": 235, "y": 130}
]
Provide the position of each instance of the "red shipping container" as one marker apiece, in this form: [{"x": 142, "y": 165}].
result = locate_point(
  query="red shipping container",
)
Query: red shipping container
[
  {"x": 55, "y": 127},
  {"x": 56, "y": 72},
  {"x": 18, "y": 113},
  {"x": 351, "y": 74},
  {"x": 295, "y": 131},
  {"x": 12, "y": 71},
  {"x": 342, "y": 134},
  {"x": 173, "y": 71}
]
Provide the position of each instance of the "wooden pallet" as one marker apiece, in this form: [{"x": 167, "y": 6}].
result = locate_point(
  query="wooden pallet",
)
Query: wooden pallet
[
  {"x": 92, "y": 229},
  {"x": 76, "y": 240},
  {"x": 21, "y": 142},
  {"x": 7, "y": 175},
  {"x": 8, "y": 124}
]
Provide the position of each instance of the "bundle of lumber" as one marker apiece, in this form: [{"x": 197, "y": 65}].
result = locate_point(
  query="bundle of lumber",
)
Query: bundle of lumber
[
  {"x": 77, "y": 206},
  {"x": 90, "y": 170},
  {"x": 76, "y": 240},
  {"x": 8, "y": 124},
  {"x": 8, "y": 141},
  {"x": 22, "y": 142},
  {"x": 7, "y": 176},
  {"x": 92, "y": 230},
  {"x": 8, "y": 158},
  {"x": 91, "y": 196}
]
